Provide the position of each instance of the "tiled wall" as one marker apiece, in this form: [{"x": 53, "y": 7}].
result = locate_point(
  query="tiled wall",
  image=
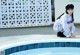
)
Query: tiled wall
[{"x": 41, "y": 45}]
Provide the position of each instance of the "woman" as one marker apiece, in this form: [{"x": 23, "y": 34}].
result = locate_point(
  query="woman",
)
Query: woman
[{"x": 64, "y": 25}]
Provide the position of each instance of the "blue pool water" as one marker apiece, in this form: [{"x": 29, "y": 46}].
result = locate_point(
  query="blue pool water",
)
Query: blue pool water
[
  {"x": 48, "y": 48},
  {"x": 50, "y": 51}
]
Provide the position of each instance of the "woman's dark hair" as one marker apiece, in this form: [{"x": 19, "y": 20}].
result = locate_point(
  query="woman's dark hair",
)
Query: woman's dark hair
[{"x": 69, "y": 6}]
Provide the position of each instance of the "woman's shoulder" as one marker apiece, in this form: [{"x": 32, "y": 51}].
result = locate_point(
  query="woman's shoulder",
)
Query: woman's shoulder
[{"x": 64, "y": 16}]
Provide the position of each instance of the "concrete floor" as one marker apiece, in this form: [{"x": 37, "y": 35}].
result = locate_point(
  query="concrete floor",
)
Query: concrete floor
[
  {"x": 47, "y": 30},
  {"x": 9, "y": 37}
]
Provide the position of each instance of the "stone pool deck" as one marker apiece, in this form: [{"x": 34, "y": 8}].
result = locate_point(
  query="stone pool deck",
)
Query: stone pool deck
[
  {"x": 44, "y": 30},
  {"x": 15, "y": 40}
]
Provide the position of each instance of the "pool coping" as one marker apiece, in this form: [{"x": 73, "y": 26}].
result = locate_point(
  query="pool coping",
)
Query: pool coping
[{"x": 38, "y": 40}]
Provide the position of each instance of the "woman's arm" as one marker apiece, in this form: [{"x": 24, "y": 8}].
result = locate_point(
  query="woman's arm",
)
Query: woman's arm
[{"x": 72, "y": 30}]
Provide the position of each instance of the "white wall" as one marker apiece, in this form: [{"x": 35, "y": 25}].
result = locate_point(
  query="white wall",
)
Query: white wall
[
  {"x": 60, "y": 8},
  {"x": 25, "y": 13}
]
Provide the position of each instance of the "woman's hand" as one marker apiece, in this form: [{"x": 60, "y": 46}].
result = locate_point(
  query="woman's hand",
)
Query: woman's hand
[{"x": 72, "y": 35}]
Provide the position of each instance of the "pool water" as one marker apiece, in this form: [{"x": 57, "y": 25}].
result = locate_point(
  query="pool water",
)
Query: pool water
[{"x": 51, "y": 51}]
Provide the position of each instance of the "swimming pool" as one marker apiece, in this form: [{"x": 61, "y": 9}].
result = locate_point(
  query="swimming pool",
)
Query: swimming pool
[
  {"x": 50, "y": 51},
  {"x": 42, "y": 46},
  {"x": 47, "y": 48}
]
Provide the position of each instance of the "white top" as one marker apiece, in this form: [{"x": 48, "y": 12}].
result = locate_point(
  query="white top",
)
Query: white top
[{"x": 62, "y": 23}]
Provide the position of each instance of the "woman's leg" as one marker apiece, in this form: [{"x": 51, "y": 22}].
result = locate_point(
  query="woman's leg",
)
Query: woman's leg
[{"x": 71, "y": 27}]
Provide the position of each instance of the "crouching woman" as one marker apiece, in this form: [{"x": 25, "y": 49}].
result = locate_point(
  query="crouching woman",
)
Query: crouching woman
[{"x": 64, "y": 25}]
